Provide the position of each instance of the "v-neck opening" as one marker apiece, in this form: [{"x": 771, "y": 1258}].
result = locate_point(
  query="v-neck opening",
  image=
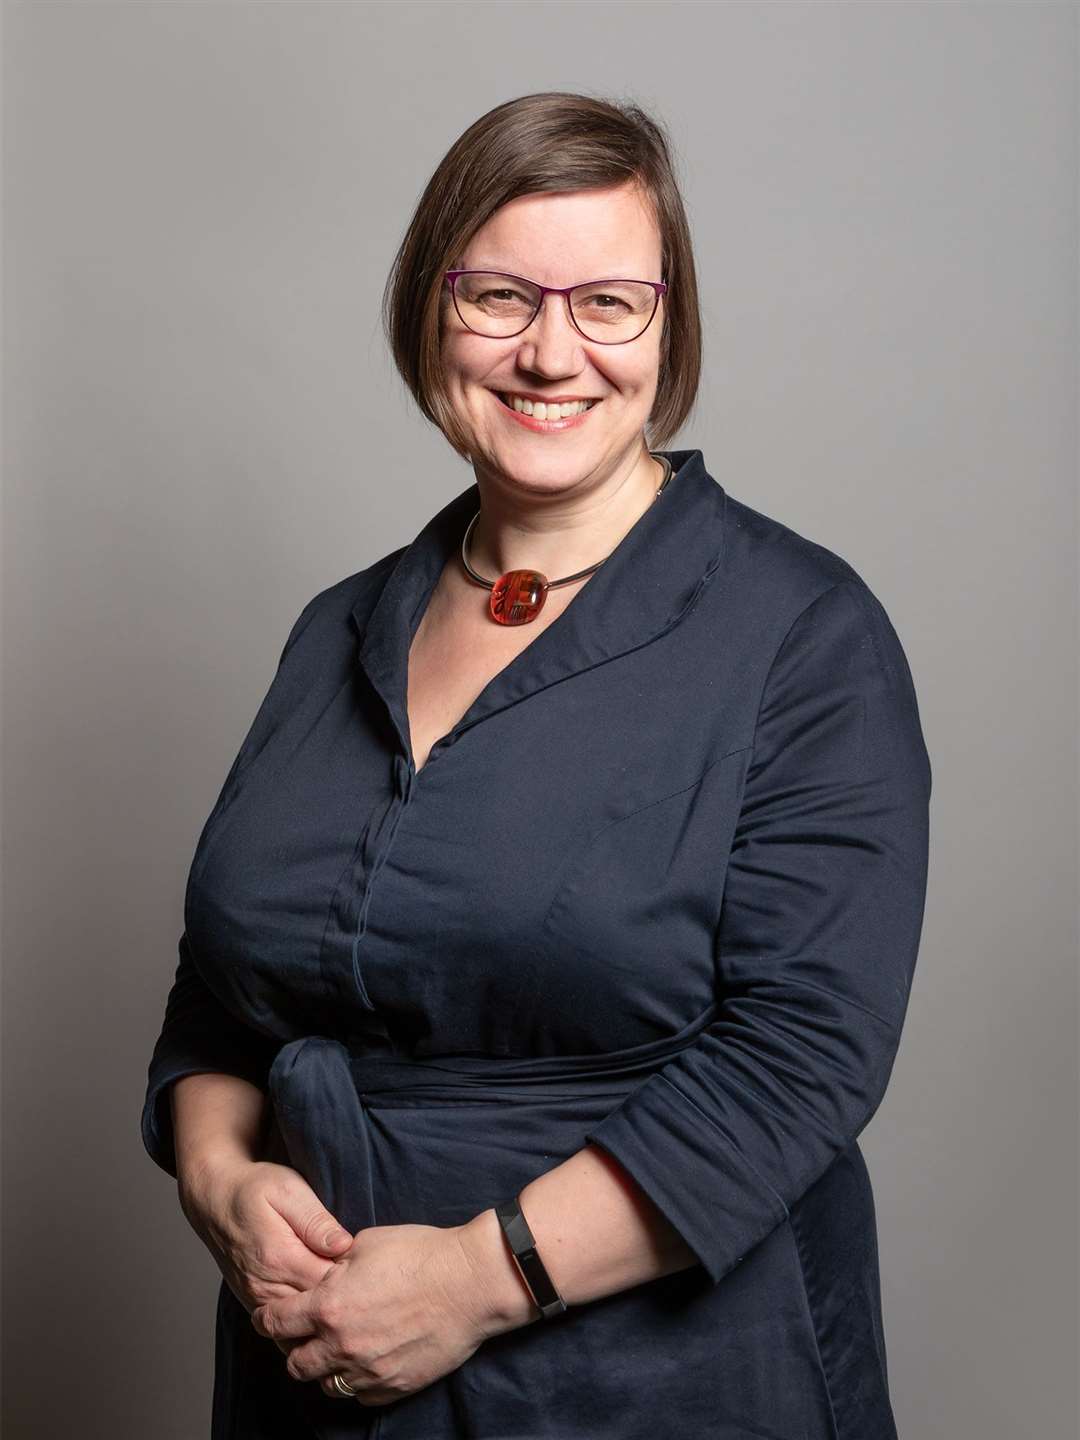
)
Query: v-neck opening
[
  {"x": 422, "y": 605},
  {"x": 481, "y": 695},
  {"x": 642, "y": 587}
]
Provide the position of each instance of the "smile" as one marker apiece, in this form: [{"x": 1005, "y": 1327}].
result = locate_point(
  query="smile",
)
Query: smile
[{"x": 545, "y": 418}]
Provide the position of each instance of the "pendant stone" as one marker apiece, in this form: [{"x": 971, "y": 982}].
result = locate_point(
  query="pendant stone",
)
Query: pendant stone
[{"x": 518, "y": 597}]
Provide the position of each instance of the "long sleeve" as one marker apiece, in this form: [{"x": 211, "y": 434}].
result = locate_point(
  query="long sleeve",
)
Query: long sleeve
[
  {"x": 816, "y": 946},
  {"x": 198, "y": 1036}
]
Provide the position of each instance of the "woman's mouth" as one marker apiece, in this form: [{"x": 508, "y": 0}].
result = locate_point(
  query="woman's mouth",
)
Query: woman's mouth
[{"x": 535, "y": 415}]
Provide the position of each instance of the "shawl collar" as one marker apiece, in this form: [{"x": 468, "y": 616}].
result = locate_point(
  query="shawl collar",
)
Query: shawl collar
[{"x": 645, "y": 586}]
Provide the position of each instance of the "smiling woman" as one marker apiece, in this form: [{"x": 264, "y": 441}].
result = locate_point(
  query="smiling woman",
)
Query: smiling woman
[
  {"x": 562, "y": 959},
  {"x": 586, "y": 338}
]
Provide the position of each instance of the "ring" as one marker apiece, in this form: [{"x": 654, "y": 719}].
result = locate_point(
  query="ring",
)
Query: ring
[{"x": 343, "y": 1387}]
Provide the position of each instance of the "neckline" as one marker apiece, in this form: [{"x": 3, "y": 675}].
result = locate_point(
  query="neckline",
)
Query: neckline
[
  {"x": 561, "y": 580},
  {"x": 644, "y": 586}
]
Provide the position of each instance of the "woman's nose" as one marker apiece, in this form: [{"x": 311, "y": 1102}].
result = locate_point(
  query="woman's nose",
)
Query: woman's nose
[{"x": 552, "y": 338}]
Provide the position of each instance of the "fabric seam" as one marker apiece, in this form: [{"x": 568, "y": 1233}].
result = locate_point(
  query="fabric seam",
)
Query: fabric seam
[
  {"x": 804, "y": 1282},
  {"x": 783, "y": 643}
]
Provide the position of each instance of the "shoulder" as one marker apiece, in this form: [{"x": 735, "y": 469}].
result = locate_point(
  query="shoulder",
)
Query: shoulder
[
  {"x": 792, "y": 595},
  {"x": 775, "y": 566},
  {"x": 779, "y": 579},
  {"x": 819, "y": 625}
]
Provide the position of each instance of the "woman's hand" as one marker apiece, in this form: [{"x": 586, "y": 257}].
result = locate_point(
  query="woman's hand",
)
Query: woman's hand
[
  {"x": 268, "y": 1231},
  {"x": 402, "y": 1308}
]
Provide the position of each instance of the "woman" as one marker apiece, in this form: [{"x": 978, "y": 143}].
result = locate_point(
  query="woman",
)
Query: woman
[{"x": 566, "y": 891}]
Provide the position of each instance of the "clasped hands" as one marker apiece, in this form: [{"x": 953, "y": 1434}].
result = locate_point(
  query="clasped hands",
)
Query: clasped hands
[{"x": 390, "y": 1309}]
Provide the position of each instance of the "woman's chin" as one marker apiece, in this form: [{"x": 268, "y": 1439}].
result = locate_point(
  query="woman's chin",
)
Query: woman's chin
[{"x": 534, "y": 474}]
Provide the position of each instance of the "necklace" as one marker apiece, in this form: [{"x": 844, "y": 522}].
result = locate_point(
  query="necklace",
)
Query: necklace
[{"x": 518, "y": 596}]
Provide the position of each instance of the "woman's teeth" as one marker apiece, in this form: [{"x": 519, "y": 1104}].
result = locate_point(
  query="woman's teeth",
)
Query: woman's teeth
[{"x": 541, "y": 411}]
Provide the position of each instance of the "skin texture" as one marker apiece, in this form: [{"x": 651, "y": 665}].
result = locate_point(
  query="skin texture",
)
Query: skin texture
[
  {"x": 398, "y": 1307},
  {"x": 268, "y": 1231},
  {"x": 265, "y": 1228},
  {"x": 555, "y": 501}
]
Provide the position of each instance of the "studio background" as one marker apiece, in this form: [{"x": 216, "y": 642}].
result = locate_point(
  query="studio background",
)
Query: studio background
[{"x": 202, "y": 428}]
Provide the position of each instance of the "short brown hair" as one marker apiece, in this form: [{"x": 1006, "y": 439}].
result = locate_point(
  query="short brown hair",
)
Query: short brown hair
[{"x": 550, "y": 141}]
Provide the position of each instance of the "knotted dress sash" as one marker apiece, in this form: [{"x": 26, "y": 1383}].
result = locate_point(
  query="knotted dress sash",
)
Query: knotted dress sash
[{"x": 493, "y": 1121}]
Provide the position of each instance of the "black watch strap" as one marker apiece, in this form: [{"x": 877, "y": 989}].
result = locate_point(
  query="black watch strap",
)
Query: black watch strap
[{"x": 523, "y": 1247}]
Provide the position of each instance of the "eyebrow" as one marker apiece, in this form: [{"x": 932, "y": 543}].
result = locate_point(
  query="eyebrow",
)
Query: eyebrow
[{"x": 623, "y": 274}]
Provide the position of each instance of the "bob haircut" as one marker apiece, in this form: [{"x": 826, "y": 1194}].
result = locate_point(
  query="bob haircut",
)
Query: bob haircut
[{"x": 549, "y": 141}]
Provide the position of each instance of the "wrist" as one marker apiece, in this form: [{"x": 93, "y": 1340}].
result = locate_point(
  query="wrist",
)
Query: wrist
[
  {"x": 218, "y": 1121},
  {"x": 200, "y": 1166},
  {"x": 505, "y": 1298}
]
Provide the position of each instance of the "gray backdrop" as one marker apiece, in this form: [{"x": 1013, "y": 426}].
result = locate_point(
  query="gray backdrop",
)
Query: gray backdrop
[{"x": 201, "y": 202}]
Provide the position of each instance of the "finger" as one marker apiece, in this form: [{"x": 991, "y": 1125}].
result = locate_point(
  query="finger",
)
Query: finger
[
  {"x": 272, "y": 1253},
  {"x": 312, "y": 1222},
  {"x": 288, "y": 1262},
  {"x": 365, "y": 1394},
  {"x": 335, "y": 1242},
  {"x": 290, "y": 1318},
  {"x": 313, "y": 1272},
  {"x": 311, "y": 1360},
  {"x": 264, "y": 1292}
]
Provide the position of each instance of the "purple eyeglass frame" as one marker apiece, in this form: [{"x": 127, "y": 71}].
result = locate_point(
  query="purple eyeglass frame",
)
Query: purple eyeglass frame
[{"x": 659, "y": 286}]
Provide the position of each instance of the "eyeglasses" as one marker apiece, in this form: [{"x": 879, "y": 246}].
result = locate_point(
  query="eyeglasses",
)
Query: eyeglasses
[{"x": 606, "y": 312}]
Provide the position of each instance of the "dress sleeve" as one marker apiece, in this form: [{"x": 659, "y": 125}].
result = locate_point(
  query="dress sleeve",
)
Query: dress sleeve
[
  {"x": 816, "y": 946},
  {"x": 198, "y": 1036}
]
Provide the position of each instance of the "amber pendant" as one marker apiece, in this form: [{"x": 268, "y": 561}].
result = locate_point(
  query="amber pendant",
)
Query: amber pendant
[{"x": 518, "y": 597}]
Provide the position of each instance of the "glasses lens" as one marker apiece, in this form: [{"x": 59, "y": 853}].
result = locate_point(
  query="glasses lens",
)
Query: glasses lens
[
  {"x": 613, "y": 311},
  {"x": 494, "y": 304},
  {"x": 608, "y": 311}
]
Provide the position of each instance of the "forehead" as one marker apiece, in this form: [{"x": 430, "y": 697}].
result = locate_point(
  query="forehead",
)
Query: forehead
[{"x": 563, "y": 237}]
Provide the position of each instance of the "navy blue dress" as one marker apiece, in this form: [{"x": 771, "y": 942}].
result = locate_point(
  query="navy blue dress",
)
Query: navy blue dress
[{"x": 660, "y": 889}]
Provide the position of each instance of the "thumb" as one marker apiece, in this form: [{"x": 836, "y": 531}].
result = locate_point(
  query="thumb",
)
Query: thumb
[
  {"x": 329, "y": 1237},
  {"x": 320, "y": 1231},
  {"x": 335, "y": 1240}
]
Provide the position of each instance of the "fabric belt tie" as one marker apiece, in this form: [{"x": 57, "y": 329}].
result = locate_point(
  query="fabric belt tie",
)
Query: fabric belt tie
[{"x": 323, "y": 1090}]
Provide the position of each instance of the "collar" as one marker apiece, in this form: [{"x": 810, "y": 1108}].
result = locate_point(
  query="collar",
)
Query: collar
[{"x": 645, "y": 587}]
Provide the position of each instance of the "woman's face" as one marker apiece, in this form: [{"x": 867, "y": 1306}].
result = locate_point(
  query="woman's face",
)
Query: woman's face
[{"x": 565, "y": 238}]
